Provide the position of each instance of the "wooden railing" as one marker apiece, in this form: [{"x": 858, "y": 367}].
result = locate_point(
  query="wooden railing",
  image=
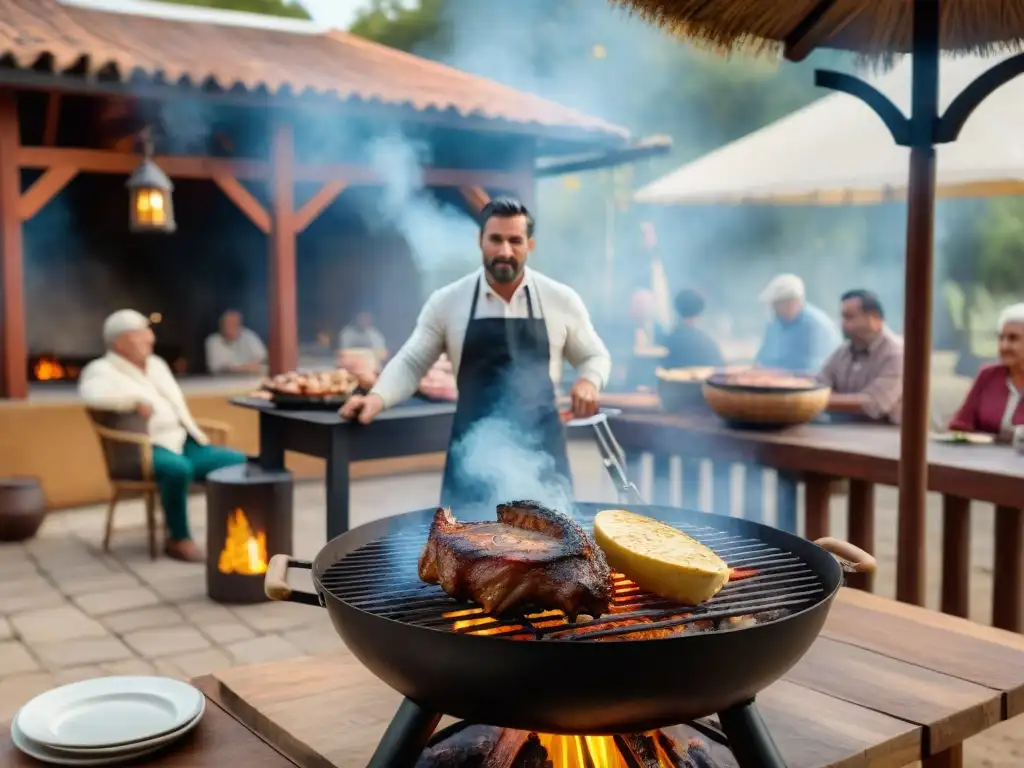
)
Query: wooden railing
[{"x": 820, "y": 456}]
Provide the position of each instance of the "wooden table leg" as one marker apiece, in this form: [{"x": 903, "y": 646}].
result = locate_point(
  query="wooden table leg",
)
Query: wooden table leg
[
  {"x": 337, "y": 484},
  {"x": 949, "y": 758},
  {"x": 1008, "y": 572},
  {"x": 690, "y": 478},
  {"x": 860, "y": 516},
  {"x": 721, "y": 487},
  {"x": 817, "y": 492},
  {"x": 956, "y": 555},
  {"x": 661, "y": 493}
]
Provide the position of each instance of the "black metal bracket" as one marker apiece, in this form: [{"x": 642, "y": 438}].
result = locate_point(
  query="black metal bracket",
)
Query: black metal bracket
[
  {"x": 961, "y": 108},
  {"x": 882, "y": 105}
]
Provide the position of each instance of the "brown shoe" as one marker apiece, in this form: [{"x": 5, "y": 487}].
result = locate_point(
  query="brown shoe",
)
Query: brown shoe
[{"x": 185, "y": 550}]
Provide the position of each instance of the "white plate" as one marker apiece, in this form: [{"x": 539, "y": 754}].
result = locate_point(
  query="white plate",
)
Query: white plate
[
  {"x": 54, "y": 757},
  {"x": 109, "y": 712},
  {"x": 135, "y": 746}
]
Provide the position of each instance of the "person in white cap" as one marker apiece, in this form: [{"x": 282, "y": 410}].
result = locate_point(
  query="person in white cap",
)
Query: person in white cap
[
  {"x": 130, "y": 378},
  {"x": 800, "y": 336}
]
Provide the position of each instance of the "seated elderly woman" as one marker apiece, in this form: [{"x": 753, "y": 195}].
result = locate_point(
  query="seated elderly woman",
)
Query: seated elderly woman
[{"x": 994, "y": 403}]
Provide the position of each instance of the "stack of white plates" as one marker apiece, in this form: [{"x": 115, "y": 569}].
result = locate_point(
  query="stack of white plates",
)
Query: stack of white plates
[{"x": 107, "y": 720}]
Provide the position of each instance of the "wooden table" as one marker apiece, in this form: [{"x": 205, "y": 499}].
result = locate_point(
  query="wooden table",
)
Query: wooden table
[
  {"x": 867, "y": 454},
  {"x": 218, "y": 741},
  {"x": 406, "y": 430},
  {"x": 885, "y": 685}
]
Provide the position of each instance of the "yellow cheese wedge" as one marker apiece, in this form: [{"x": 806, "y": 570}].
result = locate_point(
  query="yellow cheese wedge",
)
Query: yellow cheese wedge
[{"x": 659, "y": 558}]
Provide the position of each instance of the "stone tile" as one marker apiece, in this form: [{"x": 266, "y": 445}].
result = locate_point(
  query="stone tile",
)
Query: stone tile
[
  {"x": 223, "y": 633},
  {"x": 202, "y": 662},
  {"x": 180, "y": 588},
  {"x": 73, "y": 653},
  {"x": 127, "y": 667},
  {"x": 163, "y": 570},
  {"x": 51, "y": 624},
  {"x": 274, "y": 617},
  {"x": 97, "y": 582},
  {"x": 314, "y": 639},
  {"x": 116, "y": 600},
  {"x": 142, "y": 618},
  {"x": 166, "y": 641},
  {"x": 204, "y": 610},
  {"x": 76, "y": 674},
  {"x": 6, "y": 630},
  {"x": 168, "y": 668},
  {"x": 259, "y": 649},
  {"x": 15, "y": 658},
  {"x": 16, "y": 603},
  {"x": 16, "y": 690}
]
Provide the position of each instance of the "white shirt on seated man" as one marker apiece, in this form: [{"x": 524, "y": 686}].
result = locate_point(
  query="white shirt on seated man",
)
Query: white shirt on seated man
[
  {"x": 235, "y": 348},
  {"x": 130, "y": 378}
]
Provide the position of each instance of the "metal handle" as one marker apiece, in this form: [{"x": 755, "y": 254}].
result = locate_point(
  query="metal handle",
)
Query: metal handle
[
  {"x": 852, "y": 558},
  {"x": 275, "y": 581}
]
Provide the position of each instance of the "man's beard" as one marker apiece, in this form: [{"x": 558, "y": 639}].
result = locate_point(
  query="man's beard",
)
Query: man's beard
[{"x": 504, "y": 270}]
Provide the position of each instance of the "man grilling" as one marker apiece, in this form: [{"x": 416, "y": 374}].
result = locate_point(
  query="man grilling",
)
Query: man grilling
[{"x": 506, "y": 329}]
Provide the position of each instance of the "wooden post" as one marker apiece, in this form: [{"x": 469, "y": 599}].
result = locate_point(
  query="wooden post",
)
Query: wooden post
[
  {"x": 14, "y": 381},
  {"x": 284, "y": 326}
]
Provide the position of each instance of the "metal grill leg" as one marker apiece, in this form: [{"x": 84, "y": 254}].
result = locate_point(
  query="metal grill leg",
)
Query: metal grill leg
[
  {"x": 406, "y": 737},
  {"x": 750, "y": 740}
]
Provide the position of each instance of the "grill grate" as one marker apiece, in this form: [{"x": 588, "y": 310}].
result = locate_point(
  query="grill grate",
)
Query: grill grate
[{"x": 381, "y": 578}]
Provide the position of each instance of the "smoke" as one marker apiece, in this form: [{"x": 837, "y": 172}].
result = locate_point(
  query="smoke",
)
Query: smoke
[{"x": 440, "y": 236}]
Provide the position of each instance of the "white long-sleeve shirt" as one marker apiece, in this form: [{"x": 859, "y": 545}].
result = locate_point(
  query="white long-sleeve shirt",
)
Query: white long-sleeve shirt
[
  {"x": 223, "y": 355},
  {"x": 442, "y": 324}
]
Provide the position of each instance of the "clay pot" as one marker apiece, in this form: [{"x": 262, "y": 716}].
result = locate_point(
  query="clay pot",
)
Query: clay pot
[{"x": 22, "y": 508}]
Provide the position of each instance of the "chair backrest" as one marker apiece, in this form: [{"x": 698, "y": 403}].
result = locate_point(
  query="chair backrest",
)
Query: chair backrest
[{"x": 124, "y": 460}]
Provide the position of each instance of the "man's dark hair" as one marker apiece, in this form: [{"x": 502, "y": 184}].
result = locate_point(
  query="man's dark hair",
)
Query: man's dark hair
[
  {"x": 505, "y": 208},
  {"x": 869, "y": 302},
  {"x": 688, "y": 303}
]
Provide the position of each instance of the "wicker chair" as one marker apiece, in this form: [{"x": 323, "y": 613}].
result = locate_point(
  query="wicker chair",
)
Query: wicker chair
[{"x": 128, "y": 455}]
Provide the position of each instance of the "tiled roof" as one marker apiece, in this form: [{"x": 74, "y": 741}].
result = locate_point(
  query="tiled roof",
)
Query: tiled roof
[{"x": 228, "y": 51}]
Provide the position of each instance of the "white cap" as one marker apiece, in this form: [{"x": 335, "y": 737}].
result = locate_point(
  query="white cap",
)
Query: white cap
[
  {"x": 123, "y": 321},
  {"x": 1012, "y": 314},
  {"x": 783, "y": 288}
]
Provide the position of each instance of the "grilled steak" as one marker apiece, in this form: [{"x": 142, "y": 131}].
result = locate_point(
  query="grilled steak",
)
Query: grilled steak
[{"x": 533, "y": 557}]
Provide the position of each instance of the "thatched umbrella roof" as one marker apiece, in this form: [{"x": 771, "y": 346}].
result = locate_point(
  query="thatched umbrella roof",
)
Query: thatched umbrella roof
[{"x": 873, "y": 28}]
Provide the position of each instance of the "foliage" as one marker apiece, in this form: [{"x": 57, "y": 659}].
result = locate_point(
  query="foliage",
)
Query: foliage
[
  {"x": 287, "y": 8},
  {"x": 1000, "y": 236}
]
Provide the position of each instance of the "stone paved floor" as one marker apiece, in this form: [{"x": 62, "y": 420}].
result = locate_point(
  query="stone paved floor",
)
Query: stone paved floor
[{"x": 67, "y": 612}]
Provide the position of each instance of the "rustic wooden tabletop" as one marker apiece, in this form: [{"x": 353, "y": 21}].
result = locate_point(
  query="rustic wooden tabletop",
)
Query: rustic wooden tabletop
[{"x": 887, "y": 684}]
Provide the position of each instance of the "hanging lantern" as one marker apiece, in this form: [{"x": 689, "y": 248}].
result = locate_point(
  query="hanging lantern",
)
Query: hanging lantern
[{"x": 150, "y": 207}]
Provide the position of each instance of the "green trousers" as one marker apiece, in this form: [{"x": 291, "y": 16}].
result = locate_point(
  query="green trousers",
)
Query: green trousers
[{"x": 175, "y": 472}]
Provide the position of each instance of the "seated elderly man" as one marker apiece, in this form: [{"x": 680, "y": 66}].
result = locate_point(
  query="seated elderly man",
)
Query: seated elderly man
[
  {"x": 131, "y": 378},
  {"x": 866, "y": 372},
  {"x": 234, "y": 348},
  {"x": 800, "y": 336}
]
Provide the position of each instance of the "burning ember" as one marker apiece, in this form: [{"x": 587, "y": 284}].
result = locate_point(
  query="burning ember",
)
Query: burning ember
[
  {"x": 491, "y": 747},
  {"x": 245, "y": 552},
  {"x": 635, "y": 615},
  {"x": 48, "y": 369}
]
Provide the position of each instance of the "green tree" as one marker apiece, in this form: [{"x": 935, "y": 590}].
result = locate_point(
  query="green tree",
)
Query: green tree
[{"x": 291, "y": 9}]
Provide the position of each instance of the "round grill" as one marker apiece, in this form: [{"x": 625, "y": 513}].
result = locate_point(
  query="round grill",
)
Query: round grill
[{"x": 380, "y": 577}]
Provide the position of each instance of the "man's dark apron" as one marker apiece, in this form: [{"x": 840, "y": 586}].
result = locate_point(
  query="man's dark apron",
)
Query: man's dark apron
[{"x": 505, "y": 373}]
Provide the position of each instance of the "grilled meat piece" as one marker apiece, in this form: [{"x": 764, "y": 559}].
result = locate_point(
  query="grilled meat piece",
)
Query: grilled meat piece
[{"x": 532, "y": 557}]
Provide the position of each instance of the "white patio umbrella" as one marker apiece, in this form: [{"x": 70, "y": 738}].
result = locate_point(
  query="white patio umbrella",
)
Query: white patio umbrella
[{"x": 837, "y": 152}]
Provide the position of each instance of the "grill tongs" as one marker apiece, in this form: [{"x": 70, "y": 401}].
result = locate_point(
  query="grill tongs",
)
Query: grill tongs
[{"x": 612, "y": 455}]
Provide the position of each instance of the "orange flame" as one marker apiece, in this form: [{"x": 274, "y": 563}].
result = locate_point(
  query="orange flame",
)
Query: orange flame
[
  {"x": 48, "y": 369},
  {"x": 244, "y": 552}
]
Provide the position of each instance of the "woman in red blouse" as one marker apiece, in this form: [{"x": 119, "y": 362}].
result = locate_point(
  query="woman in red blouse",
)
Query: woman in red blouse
[{"x": 995, "y": 403}]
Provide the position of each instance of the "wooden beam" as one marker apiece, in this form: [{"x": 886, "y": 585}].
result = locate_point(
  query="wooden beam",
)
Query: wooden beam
[
  {"x": 316, "y": 205},
  {"x": 284, "y": 326},
  {"x": 245, "y": 201},
  {"x": 106, "y": 161},
  {"x": 476, "y": 197},
  {"x": 52, "y": 123},
  {"x": 45, "y": 188},
  {"x": 14, "y": 376}
]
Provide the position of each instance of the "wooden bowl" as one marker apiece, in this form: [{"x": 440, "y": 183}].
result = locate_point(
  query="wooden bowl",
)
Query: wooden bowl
[
  {"x": 681, "y": 389},
  {"x": 765, "y": 406}
]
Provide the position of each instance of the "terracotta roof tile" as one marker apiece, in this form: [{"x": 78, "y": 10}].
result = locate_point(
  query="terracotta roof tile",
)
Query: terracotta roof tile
[{"x": 227, "y": 56}]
